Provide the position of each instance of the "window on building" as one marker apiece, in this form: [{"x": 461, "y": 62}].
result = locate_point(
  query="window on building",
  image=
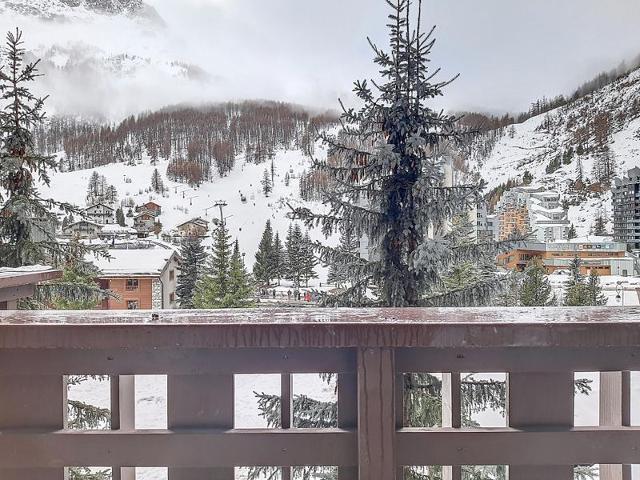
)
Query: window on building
[
  {"x": 172, "y": 275},
  {"x": 132, "y": 284},
  {"x": 133, "y": 305},
  {"x": 172, "y": 297}
]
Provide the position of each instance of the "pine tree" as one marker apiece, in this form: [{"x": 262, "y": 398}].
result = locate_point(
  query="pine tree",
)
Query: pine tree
[
  {"x": 120, "y": 220},
  {"x": 596, "y": 297},
  {"x": 387, "y": 168},
  {"x": 239, "y": 294},
  {"x": 339, "y": 274},
  {"x": 308, "y": 260},
  {"x": 600, "y": 225},
  {"x": 192, "y": 260},
  {"x": 24, "y": 241},
  {"x": 576, "y": 291},
  {"x": 263, "y": 268},
  {"x": 295, "y": 252},
  {"x": 279, "y": 259},
  {"x": 214, "y": 285},
  {"x": 572, "y": 232},
  {"x": 267, "y": 186},
  {"x": 536, "y": 290},
  {"x": 157, "y": 185}
]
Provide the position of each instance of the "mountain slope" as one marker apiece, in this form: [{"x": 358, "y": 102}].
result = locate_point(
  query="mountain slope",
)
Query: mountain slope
[
  {"x": 78, "y": 9},
  {"x": 606, "y": 122}
]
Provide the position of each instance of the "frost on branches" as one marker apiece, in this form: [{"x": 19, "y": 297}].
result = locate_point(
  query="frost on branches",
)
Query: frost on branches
[{"x": 387, "y": 180}]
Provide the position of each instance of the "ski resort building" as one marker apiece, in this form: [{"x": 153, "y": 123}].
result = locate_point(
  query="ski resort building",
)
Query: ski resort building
[
  {"x": 100, "y": 213},
  {"x": 142, "y": 277},
  {"x": 488, "y": 226},
  {"x": 606, "y": 258},
  {"x": 84, "y": 229},
  {"x": 533, "y": 211},
  {"x": 626, "y": 209},
  {"x": 196, "y": 227},
  {"x": 151, "y": 207}
]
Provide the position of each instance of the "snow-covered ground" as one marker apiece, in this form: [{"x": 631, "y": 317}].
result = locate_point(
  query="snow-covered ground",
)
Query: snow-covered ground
[
  {"x": 628, "y": 288},
  {"x": 245, "y": 220}
]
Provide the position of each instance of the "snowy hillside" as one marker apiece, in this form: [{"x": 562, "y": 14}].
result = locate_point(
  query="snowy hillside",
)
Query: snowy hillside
[
  {"x": 246, "y": 220},
  {"x": 608, "y": 118}
]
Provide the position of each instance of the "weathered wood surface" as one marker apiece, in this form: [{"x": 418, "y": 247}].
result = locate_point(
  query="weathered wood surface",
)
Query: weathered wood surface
[
  {"x": 313, "y": 328},
  {"x": 527, "y": 446},
  {"x": 179, "y": 448}
]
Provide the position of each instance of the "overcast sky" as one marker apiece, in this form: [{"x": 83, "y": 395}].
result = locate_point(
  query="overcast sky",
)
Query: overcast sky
[{"x": 508, "y": 52}]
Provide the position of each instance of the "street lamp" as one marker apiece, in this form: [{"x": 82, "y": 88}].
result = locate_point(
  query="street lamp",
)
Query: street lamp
[{"x": 620, "y": 291}]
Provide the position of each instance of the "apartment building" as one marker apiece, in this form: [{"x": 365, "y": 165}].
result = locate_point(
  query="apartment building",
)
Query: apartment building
[{"x": 626, "y": 209}]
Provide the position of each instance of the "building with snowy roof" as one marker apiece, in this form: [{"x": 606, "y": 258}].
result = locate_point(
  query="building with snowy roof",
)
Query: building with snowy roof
[{"x": 142, "y": 278}]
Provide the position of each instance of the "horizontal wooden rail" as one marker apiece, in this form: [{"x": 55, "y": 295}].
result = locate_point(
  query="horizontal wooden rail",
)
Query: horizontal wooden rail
[
  {"x": 533, "y": 446},
  {"x": 183, "y": 448}
]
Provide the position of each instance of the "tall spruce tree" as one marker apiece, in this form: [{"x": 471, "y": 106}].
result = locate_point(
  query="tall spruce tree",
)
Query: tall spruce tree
[
  {"x": 571, "y": 234},
  {"x": 387, "y": 168},
  {"x": 192, "y": 259},
  {"x": 308, "y": 259},
  {"x": 157, "y": 185},
  {"x": 295, "y": 251},
  {"x": 213, "y": 287},
  {"x": 23, "y": 240},
  {"x": 263, "y": 268},
  {"x": 239, "y": 294},
  {"x": 120, "y": 220},
  {"x": 594, "y": 290},
  {"x": 279, "y": 259}
]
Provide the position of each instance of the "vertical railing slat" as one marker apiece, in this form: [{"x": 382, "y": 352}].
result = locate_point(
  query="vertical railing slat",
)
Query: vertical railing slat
[
  {"x": 286, "y": 411},
  {"x": 615, "y": 411},
  {"x": 200, "y": 401},
  {"x": 451, "y": 416},
  {"x": 123, "y": 415},
  {"x": 376, "y": 414},
  {"x": 347, "y": 414},
  {"x": 535, "y": 400}
]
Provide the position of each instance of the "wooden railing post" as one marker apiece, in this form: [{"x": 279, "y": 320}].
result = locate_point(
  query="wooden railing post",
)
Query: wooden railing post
[
  {"x": 286, "y": 412},
  {"x": 376, "y": 414},
  {"x": 200, "y": 401},
  {"x": 615, "y": 411},
  {"x": 347, "y": 414},
  {"x": 540, "y": 400},
  {"x": 123, "y": 415},
  {"x": 451, "y": 416},
  {"x": 33, "y": 402}
]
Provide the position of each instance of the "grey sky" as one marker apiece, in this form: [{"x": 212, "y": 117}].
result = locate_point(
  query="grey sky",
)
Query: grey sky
[{"x": 508, "y": 51}]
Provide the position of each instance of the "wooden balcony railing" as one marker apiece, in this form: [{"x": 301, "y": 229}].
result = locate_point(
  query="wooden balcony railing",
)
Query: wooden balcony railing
[{"x": 200, "y": 352}]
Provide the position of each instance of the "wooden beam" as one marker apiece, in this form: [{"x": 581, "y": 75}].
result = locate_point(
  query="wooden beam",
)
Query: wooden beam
[
  {"x": 15, "y": 293},
  {"x": 315, "y": 328},
  {"x": 518, "y": 359},
  {"x": 523, "y": 447},
  {"x": 123, "y": 415},
  {"x": 201, "y": 448},
  {"x": 176, "y": 361},
  {"x": 451, "y": 416},
  {"x": 376, "y": 414}
]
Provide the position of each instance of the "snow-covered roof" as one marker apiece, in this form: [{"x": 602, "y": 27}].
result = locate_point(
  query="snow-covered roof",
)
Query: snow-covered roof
[
  {"x": 29, "y": 275},
  {"x": 197, "y": 221},
  {"x": 115, "y": 229},
  {"x": 83, "y": 222},
  {"x": 135, "y": 262}
]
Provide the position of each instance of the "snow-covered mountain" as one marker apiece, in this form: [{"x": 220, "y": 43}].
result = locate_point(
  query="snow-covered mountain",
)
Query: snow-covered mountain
[
  {"x": 79, "y": 9},
  {"x": 579, "y": 133}
]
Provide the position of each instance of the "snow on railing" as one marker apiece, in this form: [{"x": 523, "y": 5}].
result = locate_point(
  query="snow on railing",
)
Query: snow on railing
[{"x": 369, "y": 350}]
